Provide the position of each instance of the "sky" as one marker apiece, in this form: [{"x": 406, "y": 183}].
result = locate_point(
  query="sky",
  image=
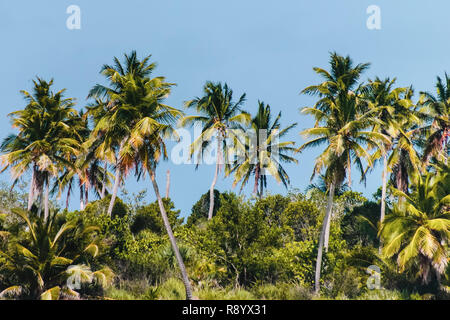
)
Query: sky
[{"x": 266, "y": 49}]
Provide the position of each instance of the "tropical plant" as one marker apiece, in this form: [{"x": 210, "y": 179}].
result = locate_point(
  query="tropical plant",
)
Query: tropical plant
[
  {"x": 263, "y": 152},
  {"x": 391, "y": 105},
  {"x": 417, "y": 231},
  {"x": 115, "y": 125},
  {"x": 438, "y": 131},
  {"x": 342, "y": 120},
  {"x": 50, "y": 255},
  {"x": 218, "y": 113},
  {"x": 48, "y": 139},
  {"x": 146, "y": 122}
]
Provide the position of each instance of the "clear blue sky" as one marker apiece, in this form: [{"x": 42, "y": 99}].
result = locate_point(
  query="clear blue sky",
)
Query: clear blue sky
[{"x": 264, "y": 48}]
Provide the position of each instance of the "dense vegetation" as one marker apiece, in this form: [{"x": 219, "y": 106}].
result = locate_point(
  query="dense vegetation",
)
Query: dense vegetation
[{"x": 313, "y": 244}]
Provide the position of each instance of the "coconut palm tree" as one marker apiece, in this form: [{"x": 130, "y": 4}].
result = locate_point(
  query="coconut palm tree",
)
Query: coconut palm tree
[
  {"x": 391, "y": 105},
  {"x": 418, "y": 229},
  {"x": 218, "y": 113},
  {"x": 145, "y": 146},
  {"x": 48, "y": 139},
  {"x": 342, "y": 122},
  {"x": 438, "y": 109},
  {"x": 263, "y": 152},
  {"x": 115, "y": 126}
]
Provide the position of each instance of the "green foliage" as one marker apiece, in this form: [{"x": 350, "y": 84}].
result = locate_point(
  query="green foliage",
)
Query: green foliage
[
  {"x": 199, "y": 212},
  {"x": 149, "y": 218},
  {"x": 39, "y": 260}
]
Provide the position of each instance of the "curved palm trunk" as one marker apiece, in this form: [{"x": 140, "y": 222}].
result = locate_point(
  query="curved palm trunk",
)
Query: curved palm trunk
[
  {"x": 173, "y": 242},
  {"x": 211, "y": 190},
  {"x": 324, "y": 235},
  {"x": 383, "y": 194},
  {"x": 32, "y": 189}
]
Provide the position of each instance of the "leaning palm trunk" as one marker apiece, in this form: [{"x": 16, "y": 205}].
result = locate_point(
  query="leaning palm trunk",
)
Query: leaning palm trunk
[
  {"x": 116, "y": 180},
  {"x": 328, "y": 215},
  {"x": 32, "y": 190},
  {"x": 115, "y": 190},
  {"x": 173, "y": 242},
  {"x": 167, "y": 184},
  {"x": 383, "y": 194},
  {"x": 324, "y": 235},
  {"x": 211, "y": 190}
]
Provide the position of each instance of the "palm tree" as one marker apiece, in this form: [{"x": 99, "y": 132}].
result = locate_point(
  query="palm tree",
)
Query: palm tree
[
  {"x": 404, "y": 160},
  {"x": 145, "y": 146},
  {"x": 115, "y": 126},
  {"x": 263, "y": 151},
  {"x": 218, "y": 113},
  {"x": 43, "y": 262},
  {"x": 391, "y": 105},
  {"x": 418, "y": 228},
  {"x": 438, "y": 108},
  {"x": 48, "y": 139},
  {"x": 342, "y": 120}
]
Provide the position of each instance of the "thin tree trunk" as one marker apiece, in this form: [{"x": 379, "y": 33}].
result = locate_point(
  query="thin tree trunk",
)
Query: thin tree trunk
[
  {"x": 167, "y": 184},
  {"x": 255, "y": 187},
  {"x": 383, "y": 195},
  {"x": 211, "y": 190},
  {"x": 116, "y": 180},
  {"x": 46, "y": 201},
  {"x": 86, "y": 196},
  {"x": 31, "y": 192},
  {"x": 349, "y": 168},
  {"x": 81, "y": 199},
  {"x": 187, "y": 283},
  {"x": 329, "y": 214},
  {"x": 105, "y": 169},
  {"x": 325, "y": 230},
  {"x": 115, "y": 190}
]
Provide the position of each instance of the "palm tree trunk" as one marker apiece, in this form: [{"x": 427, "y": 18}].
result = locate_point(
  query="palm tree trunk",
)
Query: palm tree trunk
[
  {"x": 328, "y": 215},
  {"x": 383, "y": 194},
  {"x": 211, "y": 190},
  {"x": 255, "y": 188},
  {"x": 349, "y": 168},
  {"x": 31, "y": 192},
  {"x": 325, "y": 230},
  {"x": 86, "y": 196},
  {"x": 105, "y": 169},
  {"x": 187, "y": 283},
  {"x": 46, "y": 201},
  {"x": 167, "y": 184},
  {"x": 115, "y": 190}
]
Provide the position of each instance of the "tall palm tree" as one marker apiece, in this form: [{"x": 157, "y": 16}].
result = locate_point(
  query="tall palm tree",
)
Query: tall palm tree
[
  {"x": 115, "y": 126},
  {"x": 145, "y": 146},
  {"x": 391, "y": 105},
  {"x": 48, "y": 139},
  {"x": 418, "y": 228},
  {"x": 218, "y": 113},
  {"x": 263, "y": 151},
  {"x": 439, "y": 112},
  {"x": 342, "y": 122}
]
